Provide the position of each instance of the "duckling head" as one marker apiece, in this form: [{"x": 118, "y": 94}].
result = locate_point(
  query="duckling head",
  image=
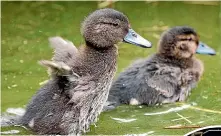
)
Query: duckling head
[
  {"x": 182, "y": 42},
  {"x": 105, "y": 27},
  {"x": 179, "y": 42}
]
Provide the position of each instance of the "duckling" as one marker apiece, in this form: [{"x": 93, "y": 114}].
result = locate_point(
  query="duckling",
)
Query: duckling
[
  {"x": 80, "y": 78},
  {"x": 165, "y": 77}
]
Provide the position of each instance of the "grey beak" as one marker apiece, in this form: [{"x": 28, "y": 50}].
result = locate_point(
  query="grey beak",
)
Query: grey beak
[
  {"x": 205, "y": 49},
  {"x": 133, "y": 38}
]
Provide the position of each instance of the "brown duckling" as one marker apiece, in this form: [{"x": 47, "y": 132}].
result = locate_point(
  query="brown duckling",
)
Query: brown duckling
[
  {"x": 165, "y": 77},
  {"x": 80, "y": 78}
]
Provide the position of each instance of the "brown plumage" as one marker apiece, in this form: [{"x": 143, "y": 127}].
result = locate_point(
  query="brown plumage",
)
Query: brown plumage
[
  {"x": 165, "y": 77},
  {"x": 80, "y": 79}
]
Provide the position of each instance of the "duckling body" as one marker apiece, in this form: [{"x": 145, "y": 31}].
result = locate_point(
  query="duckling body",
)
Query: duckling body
[
  {"x": 80, "y": 78},
  {"x": 50, "y": 109},
  {"x": 165, "y": 77},
  {"x": 152, "y": 81}
]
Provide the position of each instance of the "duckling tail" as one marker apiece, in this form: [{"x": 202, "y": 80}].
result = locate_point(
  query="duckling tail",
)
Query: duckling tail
[{"x": 9, "y": 120}]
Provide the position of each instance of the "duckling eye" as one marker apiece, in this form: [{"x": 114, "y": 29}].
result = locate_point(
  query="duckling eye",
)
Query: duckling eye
[
  {"x": 115, "y": 24},
  {"x": 186, "y": 39},
  {"x": 189, "y": 39}
]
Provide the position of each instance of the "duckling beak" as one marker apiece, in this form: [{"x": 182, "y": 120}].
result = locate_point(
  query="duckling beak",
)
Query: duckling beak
[
  {"x": 205, "y": 49},
  {"x": 133, "y": 38}
]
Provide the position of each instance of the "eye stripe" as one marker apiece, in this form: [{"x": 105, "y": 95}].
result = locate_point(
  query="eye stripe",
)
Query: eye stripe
[
  {"x": 186, "y": 39},
  {"x": 114, "y": 24}
]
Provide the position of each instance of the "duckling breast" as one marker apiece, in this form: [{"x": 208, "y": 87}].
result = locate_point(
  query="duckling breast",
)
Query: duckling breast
[{"x": 91, "y": 92}]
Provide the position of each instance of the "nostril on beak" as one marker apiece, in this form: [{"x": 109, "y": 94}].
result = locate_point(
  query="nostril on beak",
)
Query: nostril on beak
[{"x": 134, "y": 35}]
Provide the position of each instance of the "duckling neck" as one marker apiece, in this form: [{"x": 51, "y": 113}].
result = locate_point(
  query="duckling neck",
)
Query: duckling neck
[
  {"x": 181, "y": 62},
  {"x": 98, "y": 66},
  {"x": 97, "y": 61}
]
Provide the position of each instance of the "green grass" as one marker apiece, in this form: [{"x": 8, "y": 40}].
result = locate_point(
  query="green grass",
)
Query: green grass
[{"x": 26, "y": 27}]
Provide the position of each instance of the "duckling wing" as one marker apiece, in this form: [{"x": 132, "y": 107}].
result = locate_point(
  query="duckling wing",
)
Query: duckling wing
[
  {"x": 165, "y": 80},
  {"x": 64, "y": 50},
  {"x": 145, "y": 80},
  {"x": 56, "y": 68}
]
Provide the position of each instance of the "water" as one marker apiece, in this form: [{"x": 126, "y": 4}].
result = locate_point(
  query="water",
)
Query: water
[{"x": 24, "y": 41}]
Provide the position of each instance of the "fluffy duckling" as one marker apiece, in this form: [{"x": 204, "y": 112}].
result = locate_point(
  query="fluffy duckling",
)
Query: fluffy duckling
[
  {"x": 165, "y": 77},
  {"x": 80, "y": 78}
]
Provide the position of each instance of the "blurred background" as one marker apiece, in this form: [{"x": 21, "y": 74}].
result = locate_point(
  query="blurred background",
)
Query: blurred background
[{"x": 26, "y": 27}]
